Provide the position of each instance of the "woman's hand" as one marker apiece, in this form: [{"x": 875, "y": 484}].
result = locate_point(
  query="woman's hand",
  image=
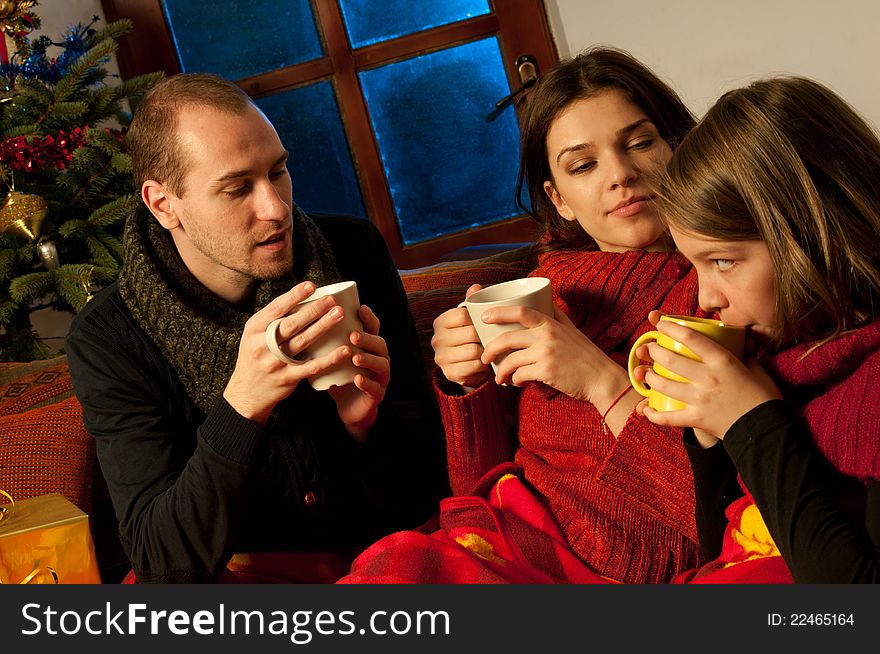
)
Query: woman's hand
[
  {"x": 457, "y": 347},
  {"x": 553, "y": 351},
  {"x": 358, "y": 403},
  {"x": 721, "y": 390}
]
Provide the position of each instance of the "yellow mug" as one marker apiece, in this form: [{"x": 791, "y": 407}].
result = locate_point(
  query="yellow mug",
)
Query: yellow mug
[{"x": 732, "y": 338}]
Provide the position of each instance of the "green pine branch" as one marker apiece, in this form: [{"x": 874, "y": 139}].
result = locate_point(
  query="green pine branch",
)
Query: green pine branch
[
  {"x": 77, "y": 75},
  {"x": 73, "y": 284},
  {"x": 7, "y": 261},
  {"x": 112, "y": 31},
  {"x": 134, "y": 89},
  {"x": 121, "y": 163},
  {"x": 102, "y": 140},
  {"x": 113, "y": 244},
  {"x": 28, "y": 129},
  {"x": 104, "y": 101},
  {"x": 30, "y": 287},
  {"x": 64, "y": 114},
  {"x": 35, "y": 91},
  {"x": 21, "y": 342},
  {"x": 114, "y": 212},
  {"x": 7, "y": 307},
  {"x": 74, "y": 229},
  {"x": 88, "y": 198},
  {"x": 101, "y": 254}
]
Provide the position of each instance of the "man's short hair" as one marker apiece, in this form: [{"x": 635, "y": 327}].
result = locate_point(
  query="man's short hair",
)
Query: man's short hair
[{"x": 152, "y": 139}]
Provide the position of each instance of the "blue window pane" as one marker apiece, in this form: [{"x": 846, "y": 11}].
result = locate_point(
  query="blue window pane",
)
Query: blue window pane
[
  {"x": 448, "y": 167},
  {"x": 309, "y": 124},
  {"x": 368, "y": 25},
  {"x": 229, "y": 37}
]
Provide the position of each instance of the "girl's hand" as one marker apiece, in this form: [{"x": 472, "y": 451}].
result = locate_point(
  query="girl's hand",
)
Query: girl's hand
[
  {"x": 721, "y": 390},
  {"x": 457, "y": 347},
  {"x": 553, "y": 351}
]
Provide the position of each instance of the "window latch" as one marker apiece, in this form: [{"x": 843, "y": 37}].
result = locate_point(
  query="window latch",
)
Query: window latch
[{"x": 527, "y": 67}]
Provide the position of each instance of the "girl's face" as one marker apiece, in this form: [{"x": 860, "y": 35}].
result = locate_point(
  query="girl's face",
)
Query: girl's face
[
  {"x": 599, "y": 149},
  {"x": 737, "y": 281}
]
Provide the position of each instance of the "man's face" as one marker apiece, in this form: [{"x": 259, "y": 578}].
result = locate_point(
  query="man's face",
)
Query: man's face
[{"x": 234, "y": 214}]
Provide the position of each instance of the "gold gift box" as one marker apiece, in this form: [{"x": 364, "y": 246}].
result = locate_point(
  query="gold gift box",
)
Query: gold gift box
[{"x": 47, "y": 538}]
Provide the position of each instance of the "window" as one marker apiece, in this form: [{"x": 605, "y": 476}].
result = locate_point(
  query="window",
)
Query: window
[{"x": 387, "y": 106}]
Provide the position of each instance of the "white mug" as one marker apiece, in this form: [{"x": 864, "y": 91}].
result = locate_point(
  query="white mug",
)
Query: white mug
[
  {"x": 346, "y": 296},
  {"x": 532, "y": 292}
]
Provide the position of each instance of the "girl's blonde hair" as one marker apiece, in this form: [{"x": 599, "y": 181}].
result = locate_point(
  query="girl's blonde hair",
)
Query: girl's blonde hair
[{"x": 787, "y": 161}]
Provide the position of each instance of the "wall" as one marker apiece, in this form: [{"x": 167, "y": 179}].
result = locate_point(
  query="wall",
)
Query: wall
[
  {"x": 704, "y": 47},
  {"x": 58, "y": 15}
]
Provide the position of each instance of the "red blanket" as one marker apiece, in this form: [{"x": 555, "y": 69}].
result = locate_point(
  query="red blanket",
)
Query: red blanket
[{"x": 502, "y": 533}]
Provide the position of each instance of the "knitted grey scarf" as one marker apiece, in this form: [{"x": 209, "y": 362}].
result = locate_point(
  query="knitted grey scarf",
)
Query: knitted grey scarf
[{"x": 196, "y": 331}]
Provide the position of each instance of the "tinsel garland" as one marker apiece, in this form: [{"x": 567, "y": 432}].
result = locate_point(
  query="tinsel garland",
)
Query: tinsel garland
[
  {"x": 37, "y": 64},
  {"x": 32, "y": 155}
]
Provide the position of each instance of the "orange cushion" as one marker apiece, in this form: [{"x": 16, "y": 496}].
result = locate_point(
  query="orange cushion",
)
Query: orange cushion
[
  {"x": 47, "y": 450},
  {"x": 486, "y": 271},
  {"x": 31, "y": 385},
  {"x": 434, "y": 289}
]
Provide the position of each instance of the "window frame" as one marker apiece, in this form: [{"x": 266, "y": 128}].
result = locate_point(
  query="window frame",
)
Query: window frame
[{"x": 521, "y": 27}]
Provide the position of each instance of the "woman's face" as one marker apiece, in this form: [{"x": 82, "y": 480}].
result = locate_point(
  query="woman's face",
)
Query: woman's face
[
  {"x": 737, "y": 282},
  {"x": 599, "y": 150}
]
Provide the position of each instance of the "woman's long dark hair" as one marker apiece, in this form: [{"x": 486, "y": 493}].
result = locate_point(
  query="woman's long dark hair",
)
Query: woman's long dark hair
[{"x": 584, "y": 76}]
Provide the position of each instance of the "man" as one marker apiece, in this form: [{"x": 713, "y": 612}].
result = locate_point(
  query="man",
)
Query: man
[{"x": 210, "y": 445}]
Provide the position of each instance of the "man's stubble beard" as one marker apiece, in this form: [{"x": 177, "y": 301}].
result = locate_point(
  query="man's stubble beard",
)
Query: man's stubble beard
[{"x": 240, "y": 263}]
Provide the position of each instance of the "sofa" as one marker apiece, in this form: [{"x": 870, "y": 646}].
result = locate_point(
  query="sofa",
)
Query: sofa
[{"x": 44, "y": 447}]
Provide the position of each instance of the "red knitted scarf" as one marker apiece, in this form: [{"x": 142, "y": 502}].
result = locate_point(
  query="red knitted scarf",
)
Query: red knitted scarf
[
  {"x": 608, "y": 295},
  {"x": 835, "y": 388}
]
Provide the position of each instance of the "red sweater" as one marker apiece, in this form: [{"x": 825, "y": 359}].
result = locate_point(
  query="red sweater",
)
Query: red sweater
[{"x": 625, "y": 505}]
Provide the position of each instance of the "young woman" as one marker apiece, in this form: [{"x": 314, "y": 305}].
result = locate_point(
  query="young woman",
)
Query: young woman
[
  {"x": 775, "y": 198},
  {"x": 595, "y": 488}
]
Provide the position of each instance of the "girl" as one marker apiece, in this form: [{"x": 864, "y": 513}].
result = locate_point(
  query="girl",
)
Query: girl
[
  {"x": 594, "y": 487},
  {"x": 775, "y": 198}
]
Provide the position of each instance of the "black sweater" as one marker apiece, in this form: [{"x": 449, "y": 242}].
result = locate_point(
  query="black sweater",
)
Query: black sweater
[
  {"x": 191, "y": 489},
  {"x": 826, "y": 525}
]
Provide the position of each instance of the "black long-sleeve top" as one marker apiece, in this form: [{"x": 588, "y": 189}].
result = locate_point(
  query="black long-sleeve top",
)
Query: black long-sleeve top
[
  {"x": 826, "y": 525},
  {"x": 191, "y": 489}
]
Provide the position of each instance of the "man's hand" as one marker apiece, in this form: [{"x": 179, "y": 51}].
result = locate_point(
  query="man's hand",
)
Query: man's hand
[
  {"x": 260, "y": 380},
  {"x": 358, "y": 403}
]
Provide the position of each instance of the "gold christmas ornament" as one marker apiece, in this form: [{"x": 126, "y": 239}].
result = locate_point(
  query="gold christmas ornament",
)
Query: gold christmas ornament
[
  {"x": 22, "y": 214},
  {"x": 7, "y": 7},
  {"x": 11, "y": 15}
]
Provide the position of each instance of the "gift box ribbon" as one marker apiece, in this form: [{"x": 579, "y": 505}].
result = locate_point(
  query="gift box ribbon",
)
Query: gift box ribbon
[
  {"x": 5, "y": 512},
  {"x": 33, "y": 573}
]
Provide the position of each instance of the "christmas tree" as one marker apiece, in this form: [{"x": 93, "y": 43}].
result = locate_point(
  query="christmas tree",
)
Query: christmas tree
[{"x": 65, "y": 179}]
